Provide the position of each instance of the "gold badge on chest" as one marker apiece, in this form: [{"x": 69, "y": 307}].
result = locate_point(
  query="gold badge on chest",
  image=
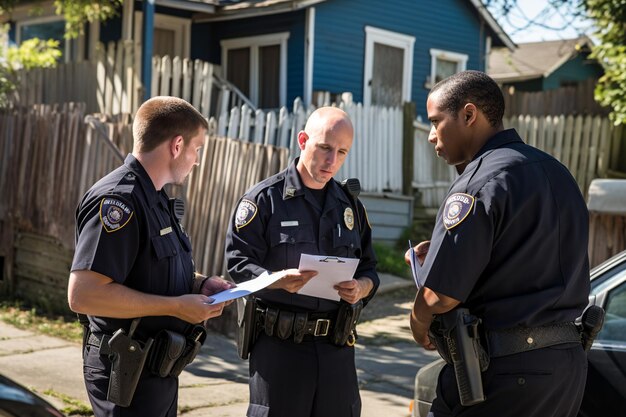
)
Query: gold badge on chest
[{"x": 348, "y": 218}]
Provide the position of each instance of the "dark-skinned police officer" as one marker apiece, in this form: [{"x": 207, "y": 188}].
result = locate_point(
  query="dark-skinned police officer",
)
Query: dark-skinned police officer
[
  {"x": 302, "y": 363},
  {"x": 510, "y": 246},
  {"x": 133, "y": 273}
]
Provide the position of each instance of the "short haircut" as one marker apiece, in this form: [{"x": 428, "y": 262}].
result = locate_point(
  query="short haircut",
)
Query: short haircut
[
  {"x": 474, "y": 87},
  {"x": 162, "y": 118}
]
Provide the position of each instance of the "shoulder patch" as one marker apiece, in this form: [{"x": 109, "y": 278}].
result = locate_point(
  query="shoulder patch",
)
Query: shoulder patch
[
  {"x": 246, "y": 211},
  {"x": 114, "y": 214},
  {"x": 458, "y": 206}
]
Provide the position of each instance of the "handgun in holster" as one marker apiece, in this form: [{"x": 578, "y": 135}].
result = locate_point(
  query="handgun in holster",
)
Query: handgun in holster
[
  {"x": 591, "y": 323},
  {"x": 128, "y": 357},
  {"x": 344, "y": 332},
  {"x": 247, "y": 328},
  {"x": 461, "y": 334}
]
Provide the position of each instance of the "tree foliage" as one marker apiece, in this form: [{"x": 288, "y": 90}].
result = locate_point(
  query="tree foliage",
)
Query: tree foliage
[
  {"x": 75, "y": 12},
  {"x": 32, "y": 53},
  {"x": 609, "y": 20}
]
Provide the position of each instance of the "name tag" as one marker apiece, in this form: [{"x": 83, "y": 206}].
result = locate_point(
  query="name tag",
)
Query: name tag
[
  {"x": 289, "y": 223},
  {"x": 165, "y": 231}
]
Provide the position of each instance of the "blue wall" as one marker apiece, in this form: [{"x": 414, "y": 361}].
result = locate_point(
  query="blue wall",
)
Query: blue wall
[
  {"x": 452, "y": 25},
  {"x": 574, "y": 70},
  {"x": 206, "y": 39}
]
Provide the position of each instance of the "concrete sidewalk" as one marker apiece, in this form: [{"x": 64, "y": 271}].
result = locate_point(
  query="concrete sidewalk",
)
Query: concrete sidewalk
[{"x": 216, "y": 383}]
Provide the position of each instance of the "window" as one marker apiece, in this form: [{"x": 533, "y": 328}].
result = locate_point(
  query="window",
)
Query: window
[
  {"x": 49, "y": 27},
  {"x": 614, "y": 329},
  {"x": 444, "y": 64},
  {"x": 388, "y": 67},
  {"x": 171, "y": 35},
  {"x": 258, "y": 67}
]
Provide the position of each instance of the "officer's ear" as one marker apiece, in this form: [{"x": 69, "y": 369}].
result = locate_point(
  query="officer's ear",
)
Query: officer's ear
[
  {"x": 470, "y": 112},
  {"x": 302, "y": 138},
  {"x": 177, "y": 144}
]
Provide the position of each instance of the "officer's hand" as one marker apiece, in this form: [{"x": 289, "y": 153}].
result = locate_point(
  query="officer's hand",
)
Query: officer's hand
[
  {"x": 194, "y": 308},
  {"x": 355, "y": 289},
  {"x": 421, "y": 249},
  {"x": 293, "y": 281}
]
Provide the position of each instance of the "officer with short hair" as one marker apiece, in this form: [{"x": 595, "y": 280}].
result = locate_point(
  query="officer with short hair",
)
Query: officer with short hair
[
  {"x": 133, "y": 273},
  {"x": 297, "y": 368},
  {"x": 510, "y": 245}
]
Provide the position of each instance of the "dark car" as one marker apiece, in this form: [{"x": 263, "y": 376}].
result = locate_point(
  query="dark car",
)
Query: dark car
[
  {"x": 605, "y": 391},
  {"x": 17, "y": 401}
]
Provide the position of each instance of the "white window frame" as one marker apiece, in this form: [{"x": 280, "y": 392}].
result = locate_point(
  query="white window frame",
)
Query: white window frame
[
  {"x": 179, "y": 25},
  {"x": 67, "y": 56},
  {"x": 254, "y": 42},
  {"x": 460, "y": 59},
  {"x": 398, "y": 40}
]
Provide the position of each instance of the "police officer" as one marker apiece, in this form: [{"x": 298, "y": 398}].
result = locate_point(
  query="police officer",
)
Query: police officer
[
  {"x": 509, "y": 244},
  {"x": 134, "y": 260},
  {"x": 302, "y": 210}
]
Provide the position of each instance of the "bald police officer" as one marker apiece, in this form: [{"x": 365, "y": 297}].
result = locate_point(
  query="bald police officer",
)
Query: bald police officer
[
  {"x": 510, "y": 245},
  {"x": 133, "y": 260},
  {"x": 297, "y": 368}
]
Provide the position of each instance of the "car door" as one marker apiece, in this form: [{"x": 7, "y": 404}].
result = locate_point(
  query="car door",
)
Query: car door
[{"x": 605, "y": 392}]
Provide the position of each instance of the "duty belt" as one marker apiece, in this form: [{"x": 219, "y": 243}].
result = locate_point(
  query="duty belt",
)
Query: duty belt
[
  {"x": 284, "y": 324},
  {"x": 523, "y": 339}
]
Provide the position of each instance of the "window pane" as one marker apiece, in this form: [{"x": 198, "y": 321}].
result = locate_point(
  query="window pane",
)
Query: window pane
[
  {"x": 46, "y": 30},
  {"x": 387, "y": 75},
  {"x": 445, "y": 68},
  {"x": 269, "y": 77},
  {"x": 164, "y": 42},
  {"x": 614, "y": 329},
  {"x": 239, "y": 69}
]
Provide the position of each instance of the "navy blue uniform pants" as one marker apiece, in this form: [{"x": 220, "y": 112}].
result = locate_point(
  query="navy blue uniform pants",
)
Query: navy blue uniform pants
[
  {"x": 547, "y": 382},
  {"x": 310, "y": 379},
  {"x": 154, "y": 396}
]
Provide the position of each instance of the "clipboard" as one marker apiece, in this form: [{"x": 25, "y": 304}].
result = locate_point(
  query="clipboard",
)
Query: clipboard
[
  {"x": 331, "y": 270},
  {"x": 415, "y": 266}
]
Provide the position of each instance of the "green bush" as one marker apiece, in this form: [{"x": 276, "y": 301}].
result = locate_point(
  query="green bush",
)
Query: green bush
[{"x": 391, "y": 260}]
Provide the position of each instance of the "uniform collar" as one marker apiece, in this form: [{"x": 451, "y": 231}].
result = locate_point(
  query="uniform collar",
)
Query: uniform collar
[
  {"x": 152, "y": 195},
  {"x": 499, "y": 139},
  {"x": 294, "y": 187}
]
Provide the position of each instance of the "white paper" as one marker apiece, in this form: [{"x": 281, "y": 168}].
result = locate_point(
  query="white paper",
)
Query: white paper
[
  {"x": 247, "y": 287},
  {"x": 331, "y": 270},
  {"x": 415, "y": 266}
]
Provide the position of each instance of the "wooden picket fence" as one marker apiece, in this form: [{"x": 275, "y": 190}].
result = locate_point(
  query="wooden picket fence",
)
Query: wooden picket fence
[
  {"x": 588, "y": 145},
  {"x": 376, "y": 154},
  {"x": 51, "y": 155},
  {"x": 110, "y": 83}
]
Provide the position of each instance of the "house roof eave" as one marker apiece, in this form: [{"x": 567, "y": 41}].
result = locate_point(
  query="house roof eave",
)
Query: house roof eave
[
  {"x": 255, "y": 8},
  {"x": 495, "y": 26},
  {"x": 189, "y": 5}
]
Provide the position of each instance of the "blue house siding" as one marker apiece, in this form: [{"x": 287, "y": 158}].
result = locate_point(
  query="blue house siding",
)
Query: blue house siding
[
  {"x": 206, "y": 39},
  {"x": 340, "y": 39},
  {"x": 573, "y": 71}
]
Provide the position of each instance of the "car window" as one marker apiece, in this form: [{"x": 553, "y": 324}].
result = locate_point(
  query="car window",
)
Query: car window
[
  {"x": 601, "y": 282},
  {"x": 614, "y": 329}
]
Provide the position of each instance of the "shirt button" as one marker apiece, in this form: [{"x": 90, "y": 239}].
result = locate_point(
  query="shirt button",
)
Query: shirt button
[
  {"x": 530, "y": 340},
  {"x": 174, "y": 252},
  {"x": 292, "y": 240}
]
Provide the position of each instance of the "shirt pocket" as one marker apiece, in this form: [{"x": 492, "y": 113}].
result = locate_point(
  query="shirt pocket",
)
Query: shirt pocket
[
  {"x": 346, "y": 244},
  {"x": 287, "y": 243},
  {"x": 165, "y": 252}
]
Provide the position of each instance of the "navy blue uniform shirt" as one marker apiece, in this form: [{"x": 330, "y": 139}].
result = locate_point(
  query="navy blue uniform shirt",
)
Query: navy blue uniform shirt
[
  {"x": 279, "y": 219},
  {"x": 126, "y": 231},
  {"x": 510, "y": 241}
]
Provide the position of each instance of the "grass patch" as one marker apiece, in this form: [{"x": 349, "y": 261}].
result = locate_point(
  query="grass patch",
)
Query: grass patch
[
  {"x": 72, "y": 407},
  {"x": 25, "y": 317},
  {"x": 391, "y": 260}
]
